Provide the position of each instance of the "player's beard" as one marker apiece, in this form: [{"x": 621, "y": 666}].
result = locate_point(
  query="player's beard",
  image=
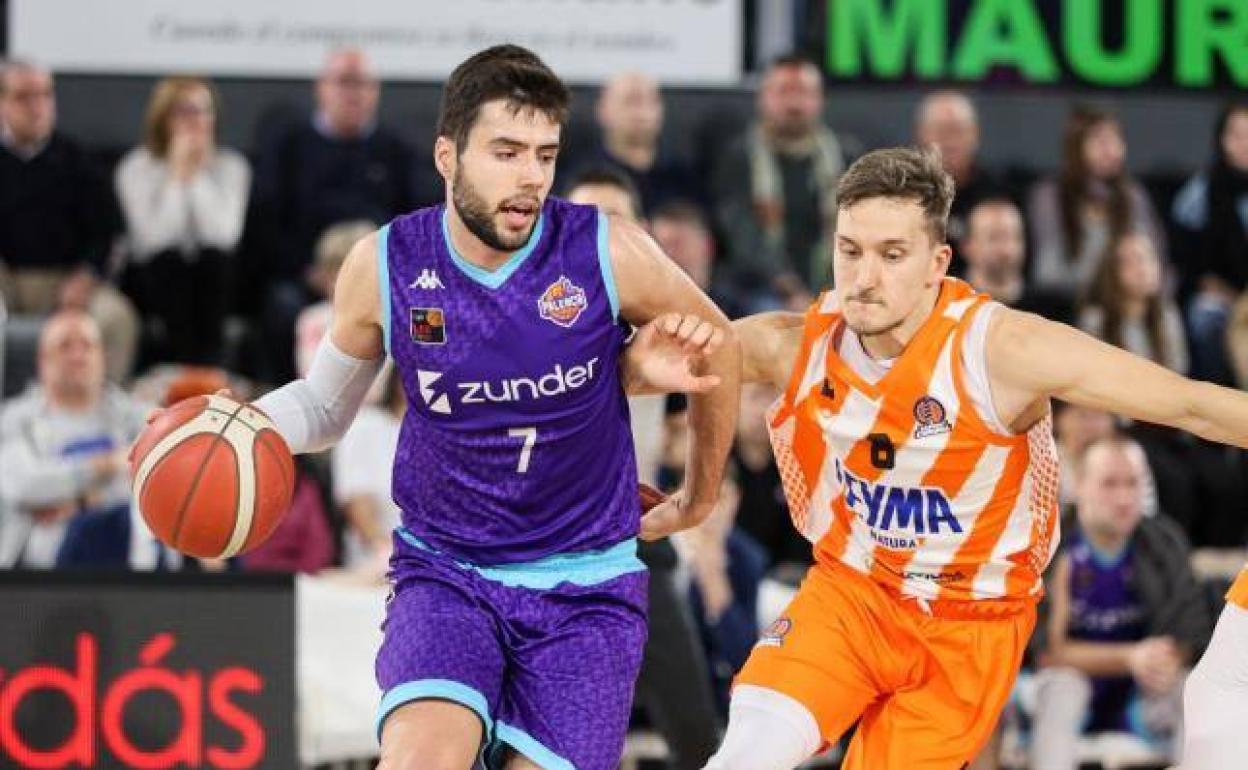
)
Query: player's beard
[{"x": 477, "y": 216}]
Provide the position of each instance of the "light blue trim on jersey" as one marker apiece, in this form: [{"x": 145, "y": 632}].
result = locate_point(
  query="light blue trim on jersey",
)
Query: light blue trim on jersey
[
  {"x": 604, "y": 264},
  {"x": 585, "y": 568},
  {"x": 530, "y": 748},
  {"x": 383, "y": 282},
  {"x": 1107, "y": 559},
  {"x": 440, "y": 689},
  {"x": 496, "y": 278}
]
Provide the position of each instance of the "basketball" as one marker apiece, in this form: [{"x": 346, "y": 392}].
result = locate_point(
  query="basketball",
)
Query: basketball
[
  {"x": 650, "y": 497},
  {"x": 212, "y": 476}
]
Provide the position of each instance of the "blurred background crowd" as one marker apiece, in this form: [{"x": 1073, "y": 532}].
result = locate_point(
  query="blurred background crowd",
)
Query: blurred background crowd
[{"x": 202, "y": 250}]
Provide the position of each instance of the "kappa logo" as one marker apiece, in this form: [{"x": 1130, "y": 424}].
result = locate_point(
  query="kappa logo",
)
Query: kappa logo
[
  {"x": 427, "y": 280},
  {"x": 562, "y": 302}
]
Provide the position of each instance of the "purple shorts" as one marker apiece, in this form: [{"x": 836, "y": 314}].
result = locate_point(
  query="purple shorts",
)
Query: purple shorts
[{"x": 546, "y": 653}]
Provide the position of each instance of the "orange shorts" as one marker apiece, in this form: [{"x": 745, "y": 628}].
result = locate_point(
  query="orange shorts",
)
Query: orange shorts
[
  {"x": 928, "y": 688},
  {"x": 1238, "y": 594}
]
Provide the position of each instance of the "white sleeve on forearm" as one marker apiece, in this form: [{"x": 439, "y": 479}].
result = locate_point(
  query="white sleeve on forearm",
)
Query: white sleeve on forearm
[{"x": 314, "y": 412}]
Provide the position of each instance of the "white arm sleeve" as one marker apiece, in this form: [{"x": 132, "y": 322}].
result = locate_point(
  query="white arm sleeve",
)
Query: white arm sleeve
[{"x": 314, "y": 412}]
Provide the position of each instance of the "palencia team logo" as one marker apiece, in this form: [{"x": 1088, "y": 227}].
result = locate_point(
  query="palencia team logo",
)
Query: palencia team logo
[{"x": 562, "y": 302}]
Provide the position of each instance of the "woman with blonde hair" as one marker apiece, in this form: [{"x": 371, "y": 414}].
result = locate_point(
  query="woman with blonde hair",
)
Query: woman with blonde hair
[{"x": 184, "y": 200}]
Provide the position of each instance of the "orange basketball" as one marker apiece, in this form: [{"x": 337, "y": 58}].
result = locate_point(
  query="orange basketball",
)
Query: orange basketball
[
  {"x": 650, "y": 497},
  {"x": 212, "y": 477}
]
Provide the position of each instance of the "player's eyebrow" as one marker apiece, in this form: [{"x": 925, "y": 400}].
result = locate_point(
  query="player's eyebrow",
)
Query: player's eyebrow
[
  {"x": 516, "y": 144},
  {"x": 886, "y": 242}
]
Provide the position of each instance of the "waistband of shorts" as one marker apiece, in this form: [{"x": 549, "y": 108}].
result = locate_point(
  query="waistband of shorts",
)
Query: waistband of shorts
[
  {"x": 948, "y": 609},
  {"x": 582, "y": 568}
]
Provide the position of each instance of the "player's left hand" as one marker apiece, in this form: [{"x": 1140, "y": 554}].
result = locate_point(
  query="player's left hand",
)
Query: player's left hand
[
  {"x": 665, "y": 353},
  {"x": 667, "y": 515}
]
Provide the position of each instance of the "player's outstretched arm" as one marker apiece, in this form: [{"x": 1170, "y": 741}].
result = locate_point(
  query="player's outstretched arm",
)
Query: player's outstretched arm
[
  {"x": 649, "y": 286},
  {"x": 769, "y": 346},
  {"x": 1030, "y": 358},
  {"x": 312, "y": 413}
]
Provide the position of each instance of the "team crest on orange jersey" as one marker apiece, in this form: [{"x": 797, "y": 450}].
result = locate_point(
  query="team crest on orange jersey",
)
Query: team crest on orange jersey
[
  {"x": 775, "y": 633},
  {"x": 930, "y": 418},
  {"x": 562, "y": 302}
]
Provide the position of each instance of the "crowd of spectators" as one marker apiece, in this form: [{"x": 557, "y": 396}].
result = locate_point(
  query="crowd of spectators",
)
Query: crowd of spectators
[{"x": 199, "y": 263}]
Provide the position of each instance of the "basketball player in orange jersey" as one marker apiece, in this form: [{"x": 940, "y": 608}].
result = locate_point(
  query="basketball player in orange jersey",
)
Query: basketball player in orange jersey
[{"x": 914, "y": 438}]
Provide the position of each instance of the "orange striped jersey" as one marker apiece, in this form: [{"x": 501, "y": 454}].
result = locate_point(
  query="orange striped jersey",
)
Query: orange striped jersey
[
  {"x": 1238, "y": 595},
  {"x": 911, "y": 478}
]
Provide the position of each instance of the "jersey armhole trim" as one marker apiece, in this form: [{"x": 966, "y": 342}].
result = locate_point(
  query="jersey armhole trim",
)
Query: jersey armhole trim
[
  {"x": 383, "y": 283},
  {"x": 604, "y": 265},
  {"x": 975, "y": 367}
]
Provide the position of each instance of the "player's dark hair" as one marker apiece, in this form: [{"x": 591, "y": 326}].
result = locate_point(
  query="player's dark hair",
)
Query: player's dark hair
[
  {"x": 501, "y": 72},
  {"x": 906, "y": 173}
]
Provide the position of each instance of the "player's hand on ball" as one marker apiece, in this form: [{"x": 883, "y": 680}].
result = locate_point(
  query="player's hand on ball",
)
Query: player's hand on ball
[
  {"x": 663, "y": 516},
  {"x": 667, "y": 353}
]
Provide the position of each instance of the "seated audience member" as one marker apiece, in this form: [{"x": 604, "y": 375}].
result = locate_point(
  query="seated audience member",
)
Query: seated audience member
[
  {"x": 1211, "y": 216},
  {"x": 1075, "y": 428},
  {"x": 183, "y": 198},
  {"x": 55, "y": 223},
  {"x": 726, "y": 564},
  {"x": 1092, "y": 203},
  {"x": 947, "y": 121},
  {"x": 314, "y": 320},
  {"x": 1198, "y": 484},
  {"x": 65, "y": 487},
  {"x": 1127, "y": 305},
  {"x": 775, "y": 186},
  {"x": 339, "y": 165},
  {"x": 683, "y": 232},
  {"x": 994, "y": 246},
  {"x": 629, "y": 112},
  {"x": 1123, "y": 620},
  {"x": 674, "y": 685},
  {"x": 763, "y": 513},
  {"x": 303, "y": 541},
  {"x": 363, "y": 465}
]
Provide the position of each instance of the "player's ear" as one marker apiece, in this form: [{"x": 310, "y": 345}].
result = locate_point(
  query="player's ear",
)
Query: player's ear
[
  {"x": 444, "y": 157},
  {"x": 940, "y": 261}
]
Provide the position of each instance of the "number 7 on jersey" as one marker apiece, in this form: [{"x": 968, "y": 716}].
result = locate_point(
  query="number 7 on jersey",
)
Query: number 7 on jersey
[{"x": 530, "y": 438}]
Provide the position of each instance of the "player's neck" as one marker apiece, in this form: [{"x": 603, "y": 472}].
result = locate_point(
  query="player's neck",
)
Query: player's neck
[
  {"x": 890, "y": 344},
  {"x": 470, "y": 247}
]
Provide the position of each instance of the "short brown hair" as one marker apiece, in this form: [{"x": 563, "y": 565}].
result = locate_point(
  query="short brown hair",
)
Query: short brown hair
[
  {"x": 907, "y": 173},
  {"x": 165, "y": 95},
  {"x": 501, "y": 72}
]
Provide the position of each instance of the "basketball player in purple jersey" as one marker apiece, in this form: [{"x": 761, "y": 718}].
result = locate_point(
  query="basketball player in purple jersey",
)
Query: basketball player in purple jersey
[{"x": 517, "y": 617}]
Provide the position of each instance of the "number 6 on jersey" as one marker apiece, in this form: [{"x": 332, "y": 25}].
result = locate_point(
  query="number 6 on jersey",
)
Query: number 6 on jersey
[{"x": 530, "y": 438}]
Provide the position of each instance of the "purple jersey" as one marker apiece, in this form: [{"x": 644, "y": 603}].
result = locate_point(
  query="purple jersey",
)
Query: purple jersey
[
  {"x": 516, "y": 442},
  {"x": 1104, "y": 608}
]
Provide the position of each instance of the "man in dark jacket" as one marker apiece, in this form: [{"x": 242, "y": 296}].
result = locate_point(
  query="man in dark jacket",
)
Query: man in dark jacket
[
  {"x": 1124, "y": 618},
  {"x": 338, "y": 165}
]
